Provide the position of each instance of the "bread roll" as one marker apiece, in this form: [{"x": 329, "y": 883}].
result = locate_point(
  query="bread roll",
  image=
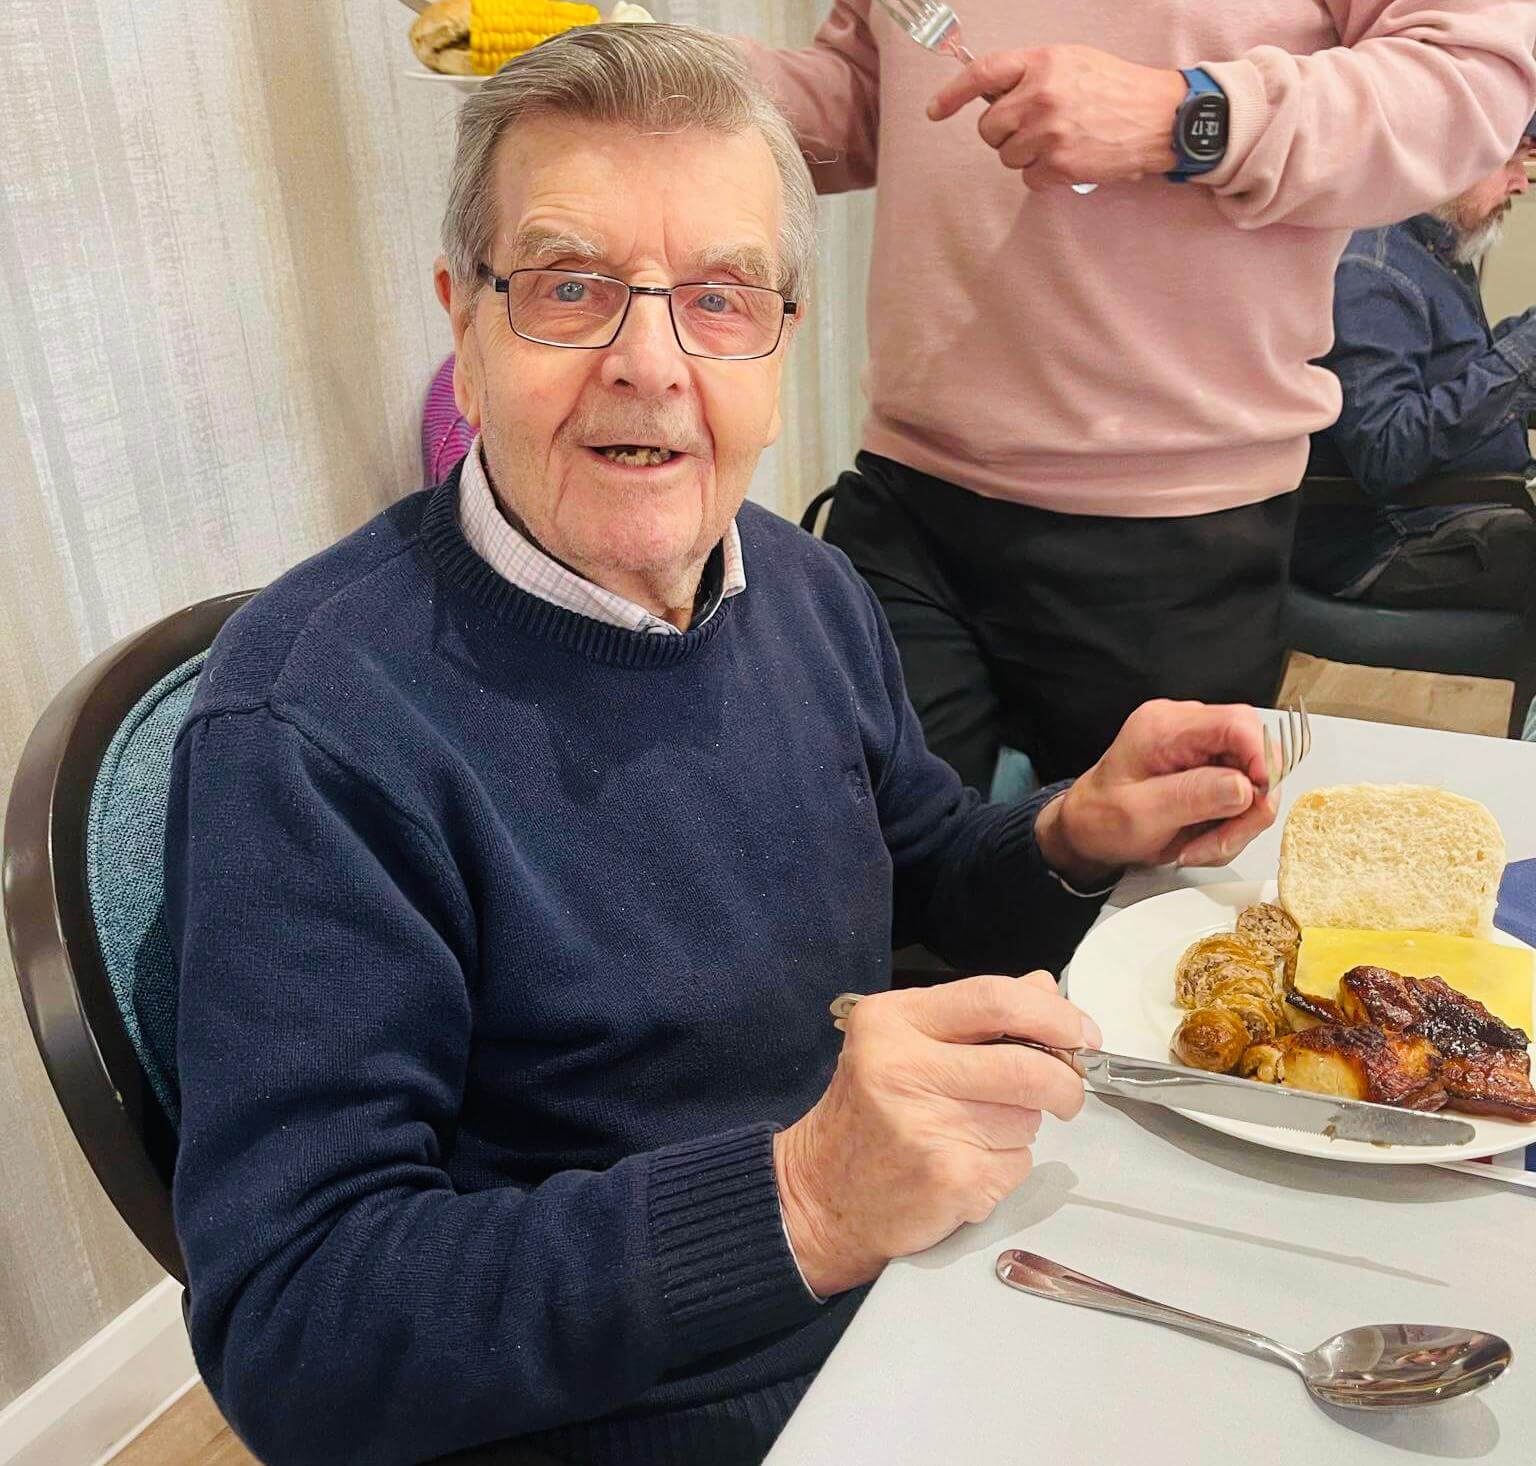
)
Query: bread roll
[{"x": 1391, "y": 857}]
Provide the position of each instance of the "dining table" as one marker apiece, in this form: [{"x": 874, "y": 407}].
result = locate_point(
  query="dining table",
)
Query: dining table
[{"x": 945, "y": 1366}]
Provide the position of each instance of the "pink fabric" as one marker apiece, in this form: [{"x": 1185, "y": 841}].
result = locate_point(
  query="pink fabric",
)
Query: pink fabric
[
  {"x": 445, "y": 436},
  {"x": 1143, "y": 350}
]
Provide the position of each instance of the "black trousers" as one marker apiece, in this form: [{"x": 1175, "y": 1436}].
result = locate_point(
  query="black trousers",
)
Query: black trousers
[
  {"x": 1045, "y": 631},
  {"x": 1482, "y": 560}
]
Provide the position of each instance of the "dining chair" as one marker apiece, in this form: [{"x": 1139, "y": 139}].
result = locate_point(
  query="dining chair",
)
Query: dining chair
[
  {"x": 84, "y": 898},
  {"x": 1469, "y": 643}
]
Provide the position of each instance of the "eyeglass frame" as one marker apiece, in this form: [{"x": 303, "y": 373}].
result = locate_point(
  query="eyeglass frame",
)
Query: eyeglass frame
[{"x": 502, "y": 285}]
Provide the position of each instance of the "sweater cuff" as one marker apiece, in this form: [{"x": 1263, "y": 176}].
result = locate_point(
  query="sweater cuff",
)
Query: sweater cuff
[
  {"x": 723, "y": 1261},
  {"x": 1248, "y": 116},
  {"x": 1018, "y": 848},
  {"x": 1098, "y": 893}
]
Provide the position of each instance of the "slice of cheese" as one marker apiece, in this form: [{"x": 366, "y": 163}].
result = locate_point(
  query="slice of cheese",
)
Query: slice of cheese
[{"x": 1499, "y": 977}]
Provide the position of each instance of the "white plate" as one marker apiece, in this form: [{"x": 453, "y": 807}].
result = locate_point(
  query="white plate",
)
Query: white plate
[
  {"x": 1123, "y": 975},
  {"x": 463, "y": 83}
]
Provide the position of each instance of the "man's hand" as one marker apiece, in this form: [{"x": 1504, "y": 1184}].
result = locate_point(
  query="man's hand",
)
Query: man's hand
[
  {"x": 1182, "y": 782},
  {"x": 922, "y": 1129},
  {"x": 1070, "y": 114}
]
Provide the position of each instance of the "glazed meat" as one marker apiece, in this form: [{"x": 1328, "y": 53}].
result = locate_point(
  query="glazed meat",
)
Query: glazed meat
[
  {"x": 1357, "y": 1061},
  {"x": 1453, "y": 1022},
  {"x": 1493, "y": 1082},
  {"x": 1485, "y": 1066},
  {"x": 1325, "y": 1010}
]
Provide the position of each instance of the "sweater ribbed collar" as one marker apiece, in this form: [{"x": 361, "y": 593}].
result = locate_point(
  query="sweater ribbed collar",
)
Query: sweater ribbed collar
[{"x": 443, "y": 538}]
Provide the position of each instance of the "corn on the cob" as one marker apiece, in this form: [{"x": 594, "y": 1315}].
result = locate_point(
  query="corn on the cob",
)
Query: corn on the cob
[{"x": 502, "y": 29}]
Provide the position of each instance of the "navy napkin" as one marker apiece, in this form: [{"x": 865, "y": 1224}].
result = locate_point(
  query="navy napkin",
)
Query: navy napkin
[
  {"x": 1517, "y": 902},
  {"x": 1517, "y": 916}
]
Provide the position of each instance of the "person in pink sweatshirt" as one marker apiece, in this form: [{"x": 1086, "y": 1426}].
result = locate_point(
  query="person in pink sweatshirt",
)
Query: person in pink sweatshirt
[{"x": 1087, "y": 412}]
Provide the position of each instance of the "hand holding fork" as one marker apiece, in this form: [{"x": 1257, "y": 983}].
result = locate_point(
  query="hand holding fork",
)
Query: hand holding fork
[
  {"x": 1057, "y": 112},
  {"x": 935, "y": 27}
]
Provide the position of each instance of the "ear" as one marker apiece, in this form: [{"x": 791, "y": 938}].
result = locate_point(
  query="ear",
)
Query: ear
[
  {"x": 776, "y": 422},
  {"x": 466, "y": 347}
]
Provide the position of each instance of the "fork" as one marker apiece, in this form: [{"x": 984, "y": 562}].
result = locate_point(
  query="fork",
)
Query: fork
[
  {"x": 1294, "y": 742},
  {"x": 936, "y": 27}
]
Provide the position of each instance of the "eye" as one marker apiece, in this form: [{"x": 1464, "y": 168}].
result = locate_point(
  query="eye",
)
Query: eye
[
  {"x": 571, "y": 292},
  {"x": 715, "y": 302}
]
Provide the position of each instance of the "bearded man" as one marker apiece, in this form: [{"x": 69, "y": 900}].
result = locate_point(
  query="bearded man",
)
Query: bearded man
[{"x": 1429, "y": 388}]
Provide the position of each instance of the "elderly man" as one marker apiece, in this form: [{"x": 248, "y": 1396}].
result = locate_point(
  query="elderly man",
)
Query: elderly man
[
  {"x": 519, "y": 842},
  {"x": 1087, "y": 413},
  {"x": 1429, "y": 388}
]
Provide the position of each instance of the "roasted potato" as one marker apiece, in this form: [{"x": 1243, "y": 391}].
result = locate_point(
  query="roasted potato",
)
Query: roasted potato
[
  {"x": 1262, "y": 1062},
  {"x": 1364, "y": 1063},
  {"x": 1212, "y": 1039}
]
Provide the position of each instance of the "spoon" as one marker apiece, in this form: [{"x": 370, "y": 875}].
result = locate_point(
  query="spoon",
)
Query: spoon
[{"x": 1379, "y": 1367}]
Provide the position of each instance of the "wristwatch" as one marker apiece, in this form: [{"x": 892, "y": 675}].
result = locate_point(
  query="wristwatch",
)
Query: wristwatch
[{"x": 1200, "y": 127}]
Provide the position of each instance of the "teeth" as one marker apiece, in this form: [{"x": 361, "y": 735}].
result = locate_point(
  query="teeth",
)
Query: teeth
[{"x": 633, "y": 457}]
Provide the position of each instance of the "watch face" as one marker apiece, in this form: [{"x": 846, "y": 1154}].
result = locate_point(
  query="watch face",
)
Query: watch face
[{"x": 1204, "y": 130}]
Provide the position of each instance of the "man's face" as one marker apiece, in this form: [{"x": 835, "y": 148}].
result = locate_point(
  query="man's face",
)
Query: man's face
[
  {"x": 649, "y": 210},
  {"x": 1485, "y": 204}
]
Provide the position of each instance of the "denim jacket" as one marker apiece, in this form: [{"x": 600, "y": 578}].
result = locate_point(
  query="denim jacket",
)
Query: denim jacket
[{"x": 1428, "y": 388}]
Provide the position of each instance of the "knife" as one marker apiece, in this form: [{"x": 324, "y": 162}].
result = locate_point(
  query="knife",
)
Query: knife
[{"x": 1118, "y": 1076}]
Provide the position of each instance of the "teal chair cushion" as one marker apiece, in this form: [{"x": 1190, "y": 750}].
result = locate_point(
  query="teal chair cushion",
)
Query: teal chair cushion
[
  {"x": 1014, "y": 779},
  {"x": 125, "y": 874}
]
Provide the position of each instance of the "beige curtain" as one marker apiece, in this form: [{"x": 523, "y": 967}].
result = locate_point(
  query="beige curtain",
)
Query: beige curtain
[{"x": 217, "y": 222}]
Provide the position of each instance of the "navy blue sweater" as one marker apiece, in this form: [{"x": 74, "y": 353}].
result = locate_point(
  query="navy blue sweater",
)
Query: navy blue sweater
[{"x": 506, "y": 941}]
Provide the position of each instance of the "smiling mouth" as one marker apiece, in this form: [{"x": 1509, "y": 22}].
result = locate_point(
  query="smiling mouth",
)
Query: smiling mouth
[{"x": 635, "y": 455}]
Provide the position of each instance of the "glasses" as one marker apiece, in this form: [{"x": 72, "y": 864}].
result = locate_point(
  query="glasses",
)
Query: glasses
[{"x": 582, "y": 312}]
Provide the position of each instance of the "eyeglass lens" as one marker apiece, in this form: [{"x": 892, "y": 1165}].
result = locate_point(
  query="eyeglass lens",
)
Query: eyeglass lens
[{"x": 561, "y": 308}]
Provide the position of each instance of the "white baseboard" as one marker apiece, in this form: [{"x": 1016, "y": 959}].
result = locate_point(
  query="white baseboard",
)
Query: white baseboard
[{"x": 106, "y": 1390}]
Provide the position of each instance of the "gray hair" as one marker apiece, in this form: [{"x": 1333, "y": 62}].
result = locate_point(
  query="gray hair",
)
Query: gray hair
[{"x": 658, "y": 78}]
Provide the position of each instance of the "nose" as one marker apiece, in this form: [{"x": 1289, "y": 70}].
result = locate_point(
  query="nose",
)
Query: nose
[
  {"x": 645, "y": 358},
  {"x": 1519, "y": 181}
]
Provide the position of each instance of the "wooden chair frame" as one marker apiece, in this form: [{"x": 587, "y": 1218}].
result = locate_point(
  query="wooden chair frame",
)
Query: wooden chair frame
[{"x": 103, "y": 1089}]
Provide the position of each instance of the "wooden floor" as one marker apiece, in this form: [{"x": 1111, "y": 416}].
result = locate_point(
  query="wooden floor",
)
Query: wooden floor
[
  {"x": 1419, "y": 699},
  {"x": 190, "y": 1433}
]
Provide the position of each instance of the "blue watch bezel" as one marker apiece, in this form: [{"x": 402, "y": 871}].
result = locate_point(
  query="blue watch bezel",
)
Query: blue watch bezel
[{"x": 1201, "y": 84}]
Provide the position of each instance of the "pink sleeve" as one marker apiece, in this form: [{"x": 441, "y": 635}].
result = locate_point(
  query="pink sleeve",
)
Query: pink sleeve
[
  {"x": 831, "y": 93},
  {"x": 1422, "y": 98}
]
